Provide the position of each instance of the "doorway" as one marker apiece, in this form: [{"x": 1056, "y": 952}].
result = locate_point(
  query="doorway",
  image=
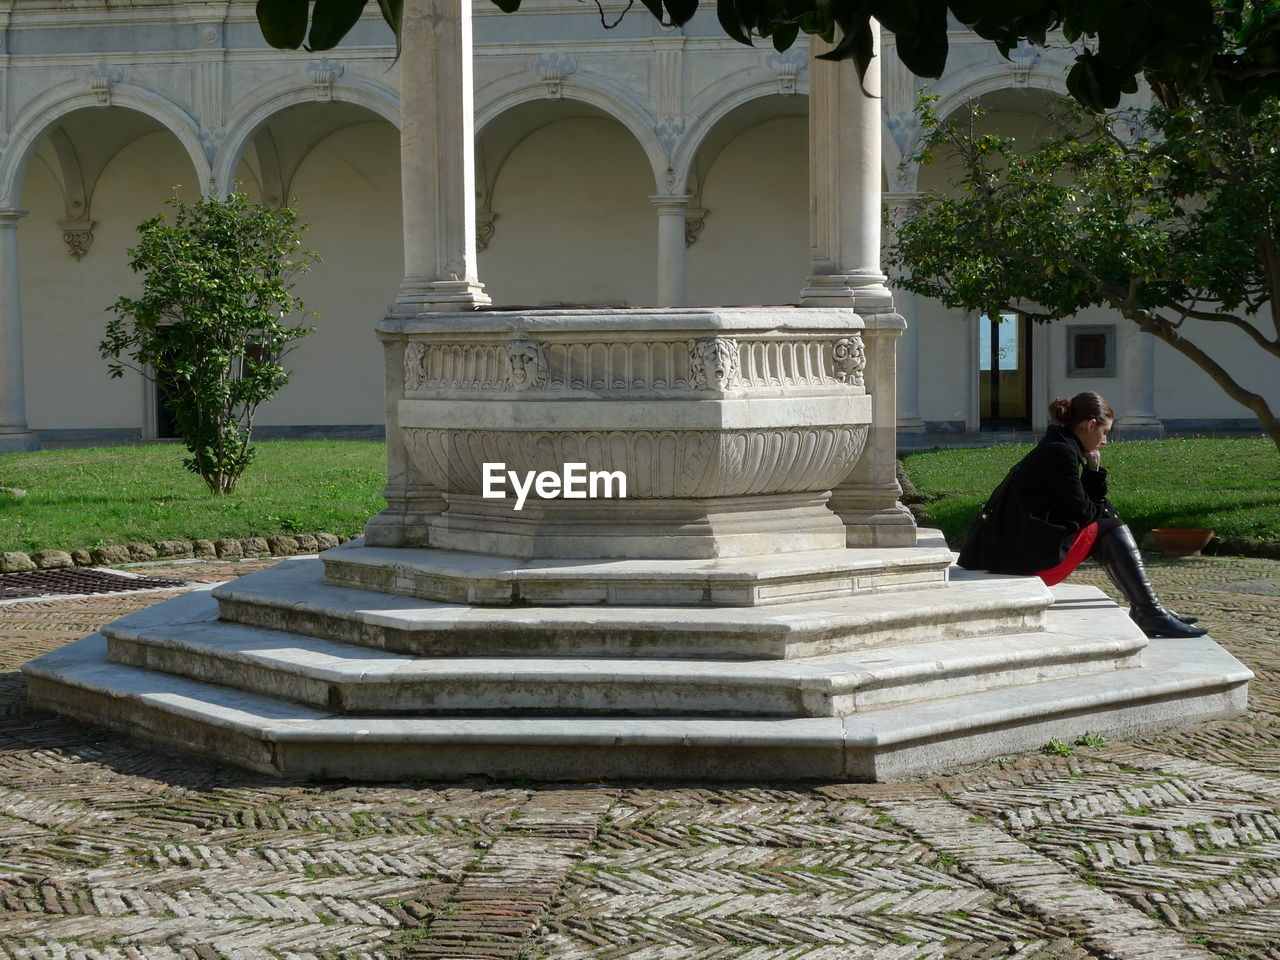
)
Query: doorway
[{"x": 1004, "y": 371}]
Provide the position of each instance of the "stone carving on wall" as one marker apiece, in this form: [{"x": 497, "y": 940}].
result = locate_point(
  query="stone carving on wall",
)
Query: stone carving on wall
[
  {"x": 484, "y": 229},
  {"x": 787, "y": 66},
  {"x": 904, "y": 177},
  {"x": 414, "y": 373},
  {"x": 324, "y": 72},
  {"x": 78, "y": 236},
  {"x": 849, "y": 358},
  {"x": 1021, "y": 60},
  {"x": 211, "y": 138},
  {"x": 715, "y": 364},
  {"x": 527, "y": 364},
  {"x": 657, "y": 463},
  {"x": 102, "y": 78},
  {"x": 695, "y": 218},
  {"x": 552, "y": 69},
  {"x": 668, "y": 130}
]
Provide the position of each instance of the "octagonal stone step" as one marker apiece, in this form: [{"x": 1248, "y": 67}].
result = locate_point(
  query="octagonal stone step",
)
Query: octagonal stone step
[
  {"x": 485, "y": 580},
  {"x": 293, "y": 596},
  {"x": 1181, "y": 682},
  {"x": 190, "y": 642}
]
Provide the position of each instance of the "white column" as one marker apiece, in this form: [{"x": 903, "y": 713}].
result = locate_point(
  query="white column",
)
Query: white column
[
  {"x": 1137, "y": 420},
  {"x": 437, "y": 152},
  {"x": 437, "y": 183},
  {"x": 14, "y": 434},
  {"x": 845, "y": 179},
  {"x": 672, "y": 275},
  {"x": 844, "y": 184}
]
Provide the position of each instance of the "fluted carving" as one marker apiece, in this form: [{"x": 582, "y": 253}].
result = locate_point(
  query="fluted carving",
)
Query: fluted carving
[
  {"x": 628, "y": 365},
  {"x": 657, "y": 463}
]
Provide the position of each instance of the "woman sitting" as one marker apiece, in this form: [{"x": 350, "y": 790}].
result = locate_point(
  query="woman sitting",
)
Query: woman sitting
[{"x": 1047, "y": 516}]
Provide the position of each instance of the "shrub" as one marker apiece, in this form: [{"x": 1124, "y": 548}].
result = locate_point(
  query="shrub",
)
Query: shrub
[{"x": 210, "y": 325}]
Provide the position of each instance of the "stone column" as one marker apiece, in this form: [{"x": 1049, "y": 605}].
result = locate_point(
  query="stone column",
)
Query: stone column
[
  {"x": 672, "y": 276},
  {"x": 910, "y": 425},
  {"x": 1137, "y": 420},
  {"x": 845, "y": 196},
  {"x": 437, "y": 156},
  {"x": 14, "y": 434},
  {"x": 437, "y": 182}
]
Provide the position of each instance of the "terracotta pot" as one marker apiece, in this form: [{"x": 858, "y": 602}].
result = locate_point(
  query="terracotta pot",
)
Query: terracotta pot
[{"x": 1181, "y": 541}]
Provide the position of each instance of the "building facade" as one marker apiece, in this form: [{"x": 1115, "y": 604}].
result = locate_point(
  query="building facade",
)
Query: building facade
[{"x": 592, "y": 146}]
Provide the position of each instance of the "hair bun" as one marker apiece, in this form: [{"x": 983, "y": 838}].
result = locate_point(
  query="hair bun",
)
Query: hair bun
[{"x": 1060, "y": 410}]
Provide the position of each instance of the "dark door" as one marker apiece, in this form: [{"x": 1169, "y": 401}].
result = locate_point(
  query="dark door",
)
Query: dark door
[{"x": 1004, "y": 372}]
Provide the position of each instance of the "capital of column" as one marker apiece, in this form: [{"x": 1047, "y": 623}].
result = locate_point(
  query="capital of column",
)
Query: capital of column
[
  {"x": 900, "y": 198},
  {"x": 11, "y": 215},
  {"x": 671, "y": 204}
]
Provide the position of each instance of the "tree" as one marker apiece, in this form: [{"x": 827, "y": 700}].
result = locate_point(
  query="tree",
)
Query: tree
[
  {"x": 210, "y": 323},
  {"x": 1170, "y": 216},
  {"x": 1231, "y": 47}
]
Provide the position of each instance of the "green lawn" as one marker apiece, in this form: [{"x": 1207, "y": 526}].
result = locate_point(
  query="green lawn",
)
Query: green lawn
[
  {"x": 113, "y": 495},
  {"x": 1231, "y": 485}
]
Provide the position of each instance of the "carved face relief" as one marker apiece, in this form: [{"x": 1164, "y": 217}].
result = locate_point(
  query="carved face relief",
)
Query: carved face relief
[
  {"x": 526, "y": 364},
  {"x": 850, "y": 360},
  {"x": 714, "y": 364}
]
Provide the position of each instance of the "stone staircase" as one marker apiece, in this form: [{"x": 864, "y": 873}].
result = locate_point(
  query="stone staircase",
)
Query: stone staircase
[{"x": 856, "y": 664}]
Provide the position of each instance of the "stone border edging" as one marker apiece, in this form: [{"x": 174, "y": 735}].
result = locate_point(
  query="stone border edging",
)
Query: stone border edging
[{"x": 225, "y": 548}]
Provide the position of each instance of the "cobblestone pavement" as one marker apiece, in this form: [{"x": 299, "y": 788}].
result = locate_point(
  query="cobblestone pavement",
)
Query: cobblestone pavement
[{"x": 1165, "y": 849}]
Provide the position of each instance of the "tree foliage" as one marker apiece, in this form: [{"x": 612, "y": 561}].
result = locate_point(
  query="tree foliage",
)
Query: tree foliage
[
  {"x": 1167, "y": 215},
  {"x": 1231, "y": 47},
  {"x": 210, "y": 324}
]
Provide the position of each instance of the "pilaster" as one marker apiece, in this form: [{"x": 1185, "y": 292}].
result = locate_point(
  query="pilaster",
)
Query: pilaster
[
  {"x": 14, "y": 434},
  {"x": 1137, "y": 419},
  {"x": 910, "y": 424}
]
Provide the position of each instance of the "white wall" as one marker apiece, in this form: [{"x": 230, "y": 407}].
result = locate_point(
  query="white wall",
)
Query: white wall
[
  {"x": 754, "y": 246},
  {"x": 64, "y": 301},
  {"x": 348, "y": 190},
  {"x": 574, "y": 222}
]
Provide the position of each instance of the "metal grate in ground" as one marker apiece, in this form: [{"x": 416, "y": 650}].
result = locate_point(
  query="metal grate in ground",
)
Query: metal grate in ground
[{"x": 74, "y": 581}]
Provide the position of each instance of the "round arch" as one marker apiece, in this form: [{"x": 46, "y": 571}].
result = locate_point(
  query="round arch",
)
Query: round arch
[
  {"x": 250, "y": 117},
  {"x": 36, "y": 119},
  {"x": 500, "y": 100},
  {"x": 723, "y": 100},
  {"x": 950, "y": 100}
]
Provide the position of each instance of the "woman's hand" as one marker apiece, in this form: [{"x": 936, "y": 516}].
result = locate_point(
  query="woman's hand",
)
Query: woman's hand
[{"x": 1093, "y": 459}]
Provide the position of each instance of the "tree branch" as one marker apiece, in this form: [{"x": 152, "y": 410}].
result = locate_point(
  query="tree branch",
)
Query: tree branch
[{"x": 1152, "y": 323}]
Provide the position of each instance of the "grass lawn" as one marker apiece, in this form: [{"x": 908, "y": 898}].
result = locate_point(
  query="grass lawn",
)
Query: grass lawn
[
  {"x": 114, "y": 495},
  {"x": 1231, "y": 485}
]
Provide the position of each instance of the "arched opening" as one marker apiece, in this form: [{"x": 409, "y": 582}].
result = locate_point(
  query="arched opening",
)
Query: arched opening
[
  {"x": 93, "y": 176},
  {"x": 748, "y": 223},
  {"x": 338, "y": 165},
  {"x": 1005, "y": 383},
  {"x": 563, "y": 209}
]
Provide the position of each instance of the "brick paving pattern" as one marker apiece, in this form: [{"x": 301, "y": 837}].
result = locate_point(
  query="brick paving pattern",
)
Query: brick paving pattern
[{"x": 1164, "y": 849}]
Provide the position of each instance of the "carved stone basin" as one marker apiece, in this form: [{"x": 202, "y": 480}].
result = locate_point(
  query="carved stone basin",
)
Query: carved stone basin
[{"x": 730, "y": 428}]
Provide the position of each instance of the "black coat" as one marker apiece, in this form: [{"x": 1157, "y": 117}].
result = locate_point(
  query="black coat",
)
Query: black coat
[{"x": 1029, "y": 522}]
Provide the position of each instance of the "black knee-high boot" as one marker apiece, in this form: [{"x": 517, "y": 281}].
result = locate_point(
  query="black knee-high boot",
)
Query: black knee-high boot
[{"x": 1118, "y": 553}]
